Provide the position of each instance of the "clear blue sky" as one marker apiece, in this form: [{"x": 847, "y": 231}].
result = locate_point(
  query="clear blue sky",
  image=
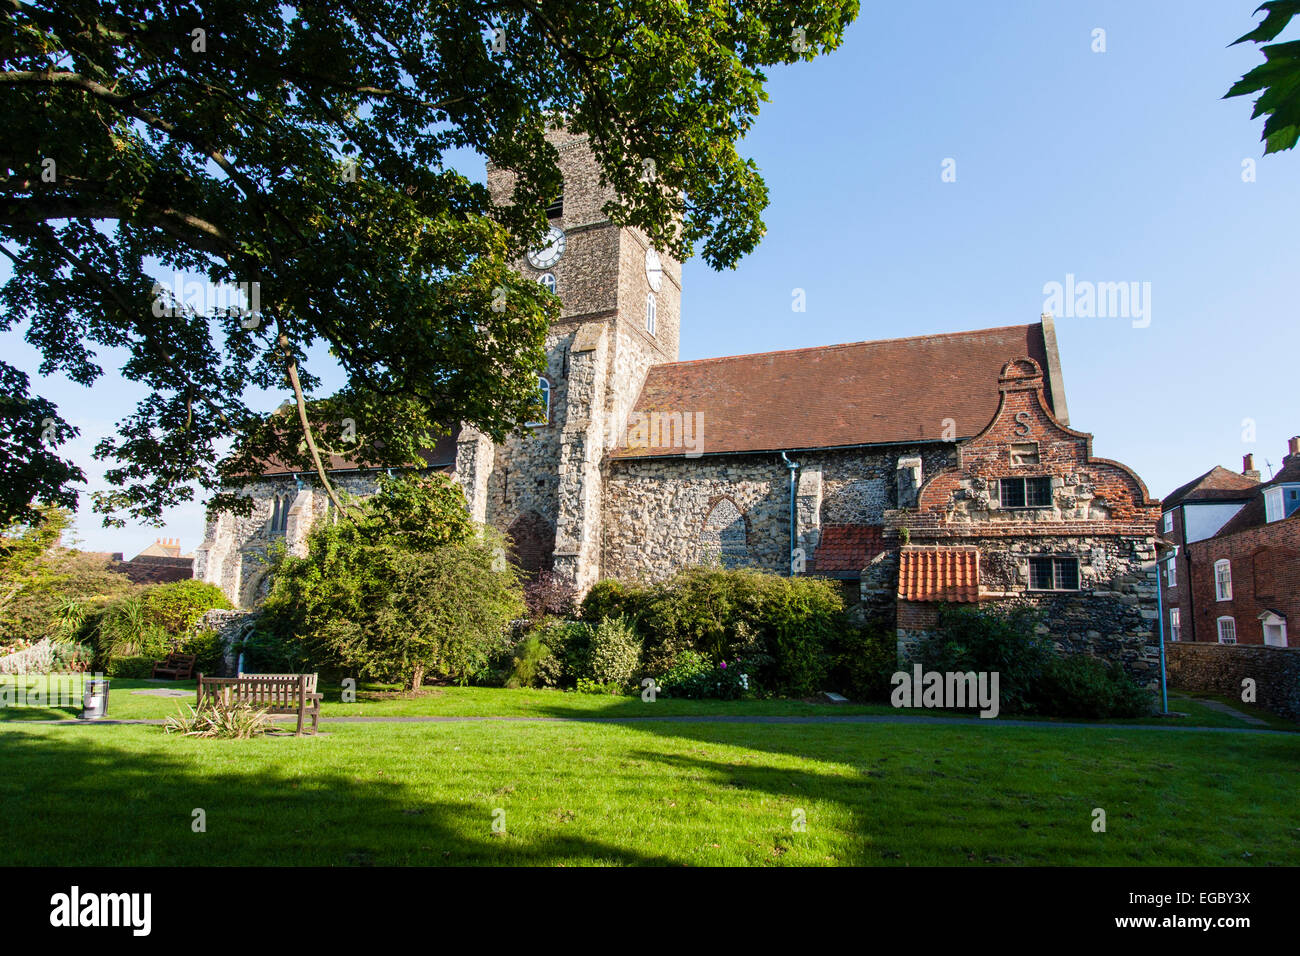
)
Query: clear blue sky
[{"x": 1122, "y": 166}]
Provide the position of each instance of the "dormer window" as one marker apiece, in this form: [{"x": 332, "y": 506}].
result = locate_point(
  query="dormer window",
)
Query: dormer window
[
  {"x": 544, "y": 386},
  {"x": 1281, "y": 501}
]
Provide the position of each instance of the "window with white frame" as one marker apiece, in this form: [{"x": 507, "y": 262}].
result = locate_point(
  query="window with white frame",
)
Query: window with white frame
[
  {"x": 1175, "y": 624},
  {"x": 1171, "y": 573},
  {"x": 547, "y": 279},
  {"x": 1169, "y": 522},
  {"x": 1227, "y": 631},
  {"x": 1223, "y": 580},
  {"x": 651, "y": 310}
]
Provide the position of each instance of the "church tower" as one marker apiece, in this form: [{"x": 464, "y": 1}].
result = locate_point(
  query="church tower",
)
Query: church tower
[{"x": 620, "y": 314}]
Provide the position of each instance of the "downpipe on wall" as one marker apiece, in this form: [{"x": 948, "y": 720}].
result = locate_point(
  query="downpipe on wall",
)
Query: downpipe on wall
[{"x": 793, "y": 467}]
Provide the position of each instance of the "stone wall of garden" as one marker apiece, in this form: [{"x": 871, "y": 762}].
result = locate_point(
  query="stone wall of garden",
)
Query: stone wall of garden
[{"x": 1221, "y": 669}]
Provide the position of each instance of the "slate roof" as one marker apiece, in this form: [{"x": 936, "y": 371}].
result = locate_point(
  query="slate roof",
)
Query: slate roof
[
  {"x": 939, "y": 574},
  {"x": 1217, "y": 484},
  {"x": 891, "y": 391},
  {"x": 1252, "y": 514},
  {"x": 846, "y": 547}
]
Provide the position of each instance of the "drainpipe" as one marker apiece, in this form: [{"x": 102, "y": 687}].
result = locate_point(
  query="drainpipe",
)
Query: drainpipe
[
  {"x": 793, "y": 466},
  {"x": 1160, "y": 616}
]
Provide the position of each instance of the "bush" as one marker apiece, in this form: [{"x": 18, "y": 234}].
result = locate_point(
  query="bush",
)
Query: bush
[
  {"x": 1033, "y": 676},
  {"x": 781, "y": 627},
  {"x": 615, "y": 652},
  {"x": 547, "y": 596},
  {"x": 694, "y": 676},
  {"x": 864, "y": 660},
  {"x": 588, "y": 686},
  {"x": 611, "y": 598},
  {"x": 176, "y": 607},
  {"x": 131, "y": 667},
  {"x": 534, "y": 664},
  {"x": 1082, "y": 686},
  {"x": 269, "y": 651},
  {"x": 991, "y": 639},
  {"x": 209, "y": 656}
]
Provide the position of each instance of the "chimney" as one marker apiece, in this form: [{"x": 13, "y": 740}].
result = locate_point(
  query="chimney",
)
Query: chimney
[
  {"x": 1292, "y": 451},
  {"x": 1248, "y": 467}
]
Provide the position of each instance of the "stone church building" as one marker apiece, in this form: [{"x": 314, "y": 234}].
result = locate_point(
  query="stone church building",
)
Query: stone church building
[{"x": 917, "y": 471}]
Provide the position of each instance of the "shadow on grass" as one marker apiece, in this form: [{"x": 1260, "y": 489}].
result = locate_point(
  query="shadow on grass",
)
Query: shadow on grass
[{"x": 73, "y": 798}]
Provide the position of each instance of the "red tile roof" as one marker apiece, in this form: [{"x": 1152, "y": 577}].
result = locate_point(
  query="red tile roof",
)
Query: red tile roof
[
  {"x": 1217, "y": 484},
  {"x": 864, "y": 393},
  {"x": 939, "y": 574},
  {"x": 846, "y": 547}
]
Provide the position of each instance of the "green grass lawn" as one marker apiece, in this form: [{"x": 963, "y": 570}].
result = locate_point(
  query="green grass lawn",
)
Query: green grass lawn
[
  {"x": 374, "y": 700},
  {"x": 650, "y": 793}
]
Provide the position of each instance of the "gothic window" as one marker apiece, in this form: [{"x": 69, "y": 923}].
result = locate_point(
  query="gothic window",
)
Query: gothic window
[
  {"x": 651, "y": 311},
  {"x": 280, "y": 514},
  {"x": 548, "y": 279},
  {"x": 544, "y": 386},
  {"x": 723, "y": 537}
]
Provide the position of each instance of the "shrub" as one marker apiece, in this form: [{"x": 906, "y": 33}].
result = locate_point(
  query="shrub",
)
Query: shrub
[
  {"x": 547, "y": 596},
  {"x": 570, "y": 644},
  {"x": 269, "y": 651},
  {"x": 208, "y": 651},
  {"x": 134, "y": 667},
  {"x": 214, "y": 719},
  {"x": 176, "y": 607},
  {"x": 864, "y": 659},
  {"x": 1082, "y": 686},
  {"x": 782, "y": 627},
  {"x": 123, "y": 629},
  {"x": 615, "y": 652},
  {"x": 534, "y": 664},
  {"x": 991, "y": 639},
  {"x": 695, "y": 676},
  {"x": 588, "y": 686},
  {"x": 610, "y": 598}
]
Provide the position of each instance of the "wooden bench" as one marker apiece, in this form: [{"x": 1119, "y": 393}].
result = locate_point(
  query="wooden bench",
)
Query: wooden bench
[
  {"x": 277, "y": 693},
  {"x": 176, "y": 666}
]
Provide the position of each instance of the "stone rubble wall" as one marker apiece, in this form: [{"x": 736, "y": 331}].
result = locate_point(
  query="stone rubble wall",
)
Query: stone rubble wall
[{"x": 1221, "y": 668}]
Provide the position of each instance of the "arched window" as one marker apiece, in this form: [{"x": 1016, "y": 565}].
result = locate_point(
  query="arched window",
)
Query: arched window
[
  {"x": 544, "y": 386},
  {"x": 1223, "y": 580},
  {"x": 548, "y": 279},
  {"x": 651, "y": 311},
  {"x": 724, "y": 537}
]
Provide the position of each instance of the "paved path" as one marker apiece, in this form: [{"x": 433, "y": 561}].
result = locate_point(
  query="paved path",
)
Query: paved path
[{"x": 726, "y": 719}]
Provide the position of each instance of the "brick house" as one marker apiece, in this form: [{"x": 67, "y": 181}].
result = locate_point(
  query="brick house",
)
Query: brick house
[
  {"x": 1193, "y": 512},
  {"x": 1243, "y": 581}
]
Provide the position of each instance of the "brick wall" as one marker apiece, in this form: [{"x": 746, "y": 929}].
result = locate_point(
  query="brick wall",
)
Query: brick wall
[
  {"x": 1265, "y": 564},
  {"x": 1221, "y": 668}
]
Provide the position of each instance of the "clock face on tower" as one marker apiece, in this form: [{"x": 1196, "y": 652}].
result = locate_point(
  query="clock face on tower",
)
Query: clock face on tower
[
  {"x": 550, "y": 253},
  {"x": 654, "y": 269}
]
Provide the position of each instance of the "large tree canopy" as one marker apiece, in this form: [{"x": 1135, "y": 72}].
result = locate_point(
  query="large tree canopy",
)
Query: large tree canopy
[
  {"x": 304, "y": 147},
  {"x": 1278, "y": 77}
]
